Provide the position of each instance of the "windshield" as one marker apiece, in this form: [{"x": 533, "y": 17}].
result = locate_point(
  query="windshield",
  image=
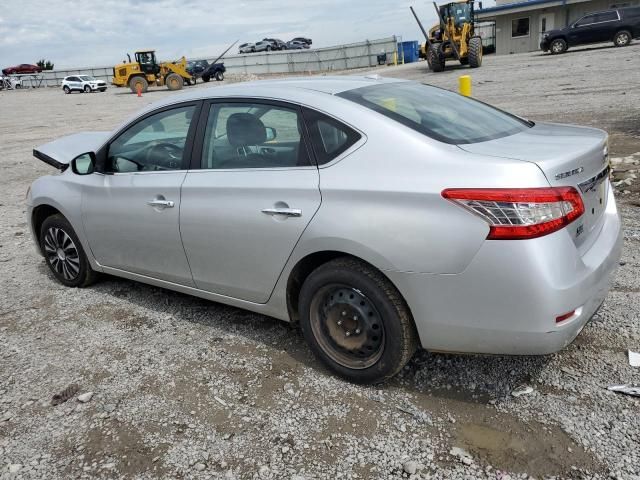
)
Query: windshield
[
  {"x": 86, "y": 78},
  {"x": 461, "y": 13},
  {"x": 437, "y": 113}
]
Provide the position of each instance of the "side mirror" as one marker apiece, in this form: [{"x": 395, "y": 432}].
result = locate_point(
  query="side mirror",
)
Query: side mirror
[
  {"x": 271, "y": 133},
  {"x": 84, "y": 164}
]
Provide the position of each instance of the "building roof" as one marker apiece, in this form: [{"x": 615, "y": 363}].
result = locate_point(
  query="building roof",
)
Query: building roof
[{"x": 522, "y": 6}]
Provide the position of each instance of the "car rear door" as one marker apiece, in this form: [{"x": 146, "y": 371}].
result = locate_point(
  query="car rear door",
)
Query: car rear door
[
  {"x": 252, "y": 191},
  {"x": 131, "y": 211},
  {"x": 605, "y": 28}
]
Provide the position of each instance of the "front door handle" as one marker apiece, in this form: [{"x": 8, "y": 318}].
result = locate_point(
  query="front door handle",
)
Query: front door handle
[
  {"x": 161, "y": 203},
  {"x": 287, "y": 212}
]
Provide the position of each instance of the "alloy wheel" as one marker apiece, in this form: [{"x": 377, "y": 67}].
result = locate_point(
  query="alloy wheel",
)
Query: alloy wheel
[
  {"x": 347, "y": 326},
  {"x": 622, "y": 39},
  {"x": 62, "y": 253}
]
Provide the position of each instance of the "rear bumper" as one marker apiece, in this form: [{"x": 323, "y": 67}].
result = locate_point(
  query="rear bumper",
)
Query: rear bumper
[{"x": 507, "y": 300}]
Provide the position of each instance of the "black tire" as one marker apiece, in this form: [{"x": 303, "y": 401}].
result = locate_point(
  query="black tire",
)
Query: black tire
[
  {"x": 558, "y": 46},
  {"x": 349, "y": 297},
  {"x": 70, "y": 267},
  {"x": 87, "y": 89},
  {"x": 206, "y": 78},
  {"x": 475, "y": 52},
  {"x": 66, "y": 89},
  {"x": 622, "y": 38},
  {"x": 137, "y": 80},
  {"x": 173, "y": 81},
  {"x": 219, "y": 76},
  {"x": 435, "y": 58}
]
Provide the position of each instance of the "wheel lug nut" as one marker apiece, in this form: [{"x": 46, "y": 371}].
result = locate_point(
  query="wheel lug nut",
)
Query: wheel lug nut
[
  {"x": 357, "y": 331},
  {"x": 339, "y": 322},
  {"x": 347, "y": 334},
  {"x": 355, "y": 318},
  {"x": 344, "y": 313}
]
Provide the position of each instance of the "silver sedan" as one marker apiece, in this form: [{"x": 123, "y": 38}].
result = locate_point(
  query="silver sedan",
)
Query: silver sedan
[{"x": 380, "y": 215}]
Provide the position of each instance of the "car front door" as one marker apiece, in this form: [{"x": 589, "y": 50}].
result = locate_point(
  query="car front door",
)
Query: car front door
[
  {"x": 131, "y": 211},
  {"x": 584, "y": 31},
  {"x": 248, "y": 198}
]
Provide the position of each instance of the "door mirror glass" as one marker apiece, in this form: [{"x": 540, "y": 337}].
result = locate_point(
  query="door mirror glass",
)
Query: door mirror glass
[
  {"x": 84, "y": 164},
  {"x": 271, "y": 133}
]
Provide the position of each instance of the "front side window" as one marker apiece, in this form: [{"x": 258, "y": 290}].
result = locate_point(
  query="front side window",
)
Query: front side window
[
  {"x": 329, "y": 137},
  {"x": 520, "y": 27},
  {"x": 155, "y": 143},
  {"x": 253, "y": 135},
  {"x": 437, "y": 113},
  {"x": 586, "y": 20}
]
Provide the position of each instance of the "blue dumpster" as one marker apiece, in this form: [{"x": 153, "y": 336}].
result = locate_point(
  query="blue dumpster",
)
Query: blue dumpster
[{"x": 411, "y": 51}]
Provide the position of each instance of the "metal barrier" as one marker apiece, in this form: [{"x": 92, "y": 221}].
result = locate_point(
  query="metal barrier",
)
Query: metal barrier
[{"x": 340, "y": 57}]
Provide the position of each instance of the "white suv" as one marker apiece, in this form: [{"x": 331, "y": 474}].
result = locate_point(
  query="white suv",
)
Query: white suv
[{"x": 83, "y": 83}]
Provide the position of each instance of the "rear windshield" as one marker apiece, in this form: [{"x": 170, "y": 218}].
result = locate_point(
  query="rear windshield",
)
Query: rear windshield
[{"x": 437, "y": 113}]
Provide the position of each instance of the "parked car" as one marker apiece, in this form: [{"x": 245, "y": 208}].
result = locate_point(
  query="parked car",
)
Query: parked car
[
  {"x": 263, "y": 46},
  {"x": 619, "y": 26},
  {"x": 303, "y": 40},
  {"x": 22, "y": 68},
  {"x": 196, "y": 68},
  {"x": 276, "y": 44},
  {"x": 10, "y": 83},
  {"x": 83, "y": 83},
  {"x": 216, "y": 71},
  {"x": 296, "y": 45},
  {"x": 379, "y": 214},
  {"x": 247, "y": 48}
]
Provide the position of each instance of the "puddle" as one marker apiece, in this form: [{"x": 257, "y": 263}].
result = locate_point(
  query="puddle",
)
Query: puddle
[{"x": 533, "y": 448}]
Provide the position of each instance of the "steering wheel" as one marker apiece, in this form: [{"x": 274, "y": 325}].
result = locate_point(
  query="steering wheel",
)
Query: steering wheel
[{"x": 164, "y": 155}]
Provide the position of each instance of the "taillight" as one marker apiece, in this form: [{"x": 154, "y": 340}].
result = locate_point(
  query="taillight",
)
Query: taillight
[{"x": 520, "y": 213}]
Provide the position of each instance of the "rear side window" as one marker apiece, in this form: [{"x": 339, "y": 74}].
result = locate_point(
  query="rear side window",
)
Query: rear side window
[
  {"x": 329, "y": 137},
  {"x": 606, "y": 16},
  {"x": 440, "y": 114}
]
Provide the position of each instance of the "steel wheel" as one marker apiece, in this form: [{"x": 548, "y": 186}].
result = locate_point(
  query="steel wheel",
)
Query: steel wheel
[
  {"x": 62, "y": 253},
  {"x": 347, "y": 326}
]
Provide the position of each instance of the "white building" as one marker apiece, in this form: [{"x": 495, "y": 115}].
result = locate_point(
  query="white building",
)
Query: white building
[{"x": 519, "y": 25}]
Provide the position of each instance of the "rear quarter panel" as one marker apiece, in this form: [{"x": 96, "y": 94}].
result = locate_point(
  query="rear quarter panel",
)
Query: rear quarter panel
[{"x": 383, "y": 203}]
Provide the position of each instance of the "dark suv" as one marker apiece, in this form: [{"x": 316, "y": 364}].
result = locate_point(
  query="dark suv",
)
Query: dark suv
[{"x": 619, "y": 26}]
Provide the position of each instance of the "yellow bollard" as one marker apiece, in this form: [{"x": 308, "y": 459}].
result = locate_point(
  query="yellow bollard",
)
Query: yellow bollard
[{"x": 465, "y": 85}]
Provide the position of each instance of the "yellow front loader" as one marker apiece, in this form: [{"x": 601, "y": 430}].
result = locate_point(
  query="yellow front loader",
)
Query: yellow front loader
[
  {"x": 453, "y": 38},
  {"x": 147, "y": 71}
]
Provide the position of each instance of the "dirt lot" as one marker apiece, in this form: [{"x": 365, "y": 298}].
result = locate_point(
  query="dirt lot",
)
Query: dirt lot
[{"x": 185, "y": 388}]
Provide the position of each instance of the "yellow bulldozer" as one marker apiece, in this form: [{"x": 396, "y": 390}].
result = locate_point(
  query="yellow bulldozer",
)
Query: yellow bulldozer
[
  {"x": 453, "y": 37},
  {"x": 147, "y": 71}
]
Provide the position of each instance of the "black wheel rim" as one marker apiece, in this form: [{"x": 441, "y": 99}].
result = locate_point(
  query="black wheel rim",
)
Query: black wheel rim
[
  {"x": 347, "y": 326},
  {"x": 62, "y": 254}
]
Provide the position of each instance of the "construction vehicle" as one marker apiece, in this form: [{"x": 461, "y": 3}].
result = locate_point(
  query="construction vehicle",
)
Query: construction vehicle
[
  {"x": 453, "y": 37},
  {"x": 147, "y": 71}
]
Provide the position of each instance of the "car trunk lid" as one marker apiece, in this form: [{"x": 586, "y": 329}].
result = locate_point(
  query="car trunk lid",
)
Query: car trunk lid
[{"x": 568, "y": 156}]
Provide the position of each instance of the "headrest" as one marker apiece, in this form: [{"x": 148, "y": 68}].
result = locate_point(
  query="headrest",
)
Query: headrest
[{"x": 245, "y": 129}]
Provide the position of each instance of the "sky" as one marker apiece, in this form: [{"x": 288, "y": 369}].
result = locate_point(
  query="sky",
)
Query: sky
[{"x": 74, "y": 33}]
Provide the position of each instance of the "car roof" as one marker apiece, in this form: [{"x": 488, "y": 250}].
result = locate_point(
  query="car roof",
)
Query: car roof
[
  {"x": 331, "y": 85},
  {"x": 293, "y": 89}
]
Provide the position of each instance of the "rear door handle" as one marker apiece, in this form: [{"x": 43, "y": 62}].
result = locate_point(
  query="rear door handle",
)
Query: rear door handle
[
  {"x": 287, "y": 212},
  {"x": 161, "y": 203}
]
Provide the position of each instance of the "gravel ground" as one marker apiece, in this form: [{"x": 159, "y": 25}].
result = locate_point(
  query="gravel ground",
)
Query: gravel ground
[{"x": 184, "y": 388}]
